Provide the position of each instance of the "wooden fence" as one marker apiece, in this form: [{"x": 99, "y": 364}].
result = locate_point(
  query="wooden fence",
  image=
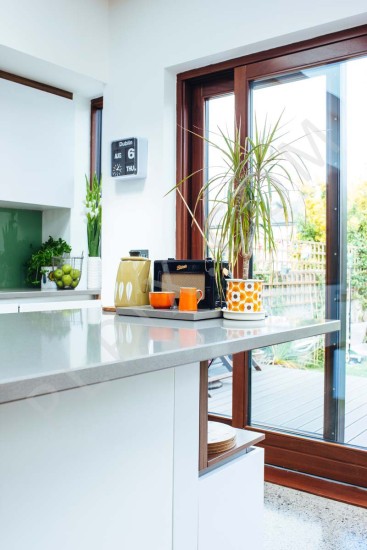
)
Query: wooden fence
[{"x": 294, "y": 281}]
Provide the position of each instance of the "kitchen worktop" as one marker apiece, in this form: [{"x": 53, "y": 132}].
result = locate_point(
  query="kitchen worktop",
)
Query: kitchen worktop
[{"x": 45, "y": 352}]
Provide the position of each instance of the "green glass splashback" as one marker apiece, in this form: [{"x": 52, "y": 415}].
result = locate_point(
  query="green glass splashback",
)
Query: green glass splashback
[{"x": 20, "y": 236}]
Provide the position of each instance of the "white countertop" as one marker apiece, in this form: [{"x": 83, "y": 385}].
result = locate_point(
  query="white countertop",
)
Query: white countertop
[{"x": 49, "y": 351}]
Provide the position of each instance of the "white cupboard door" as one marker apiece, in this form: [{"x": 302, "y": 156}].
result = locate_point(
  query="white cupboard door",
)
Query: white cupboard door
[
  {"x": 8, "y": 308},
  {"x": 231, "y": 505}
]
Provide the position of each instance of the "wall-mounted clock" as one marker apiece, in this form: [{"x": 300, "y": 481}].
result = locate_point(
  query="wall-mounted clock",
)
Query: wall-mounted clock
[{"x": 129, "y": 158}]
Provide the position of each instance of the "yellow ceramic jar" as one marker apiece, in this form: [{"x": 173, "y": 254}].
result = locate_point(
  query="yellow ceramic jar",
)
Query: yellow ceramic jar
[{"x": 133, "y": 282}]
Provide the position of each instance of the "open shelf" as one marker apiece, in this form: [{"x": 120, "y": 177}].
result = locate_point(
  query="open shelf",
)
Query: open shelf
[{"x": 244, "y": 440}]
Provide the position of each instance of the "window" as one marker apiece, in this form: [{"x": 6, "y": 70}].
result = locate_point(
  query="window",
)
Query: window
[{"x": 96, "y": 137}]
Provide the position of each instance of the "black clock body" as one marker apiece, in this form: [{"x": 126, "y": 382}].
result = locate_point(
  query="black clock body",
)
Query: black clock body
[{"x": 124, "y": 157}]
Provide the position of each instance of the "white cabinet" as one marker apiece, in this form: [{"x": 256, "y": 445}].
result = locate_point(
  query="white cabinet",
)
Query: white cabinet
[
  {"x": 8, "y": 308},
  {"x": 37, "y": 147},
  {"x": 231, "y": 504}
]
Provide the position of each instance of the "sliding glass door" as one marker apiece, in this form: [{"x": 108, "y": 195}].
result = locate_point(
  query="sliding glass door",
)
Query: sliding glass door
[{"x": 324, "y": 115}]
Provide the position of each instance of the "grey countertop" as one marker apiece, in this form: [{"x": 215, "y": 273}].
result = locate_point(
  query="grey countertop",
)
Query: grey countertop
[{"x": 50, "y": 351}]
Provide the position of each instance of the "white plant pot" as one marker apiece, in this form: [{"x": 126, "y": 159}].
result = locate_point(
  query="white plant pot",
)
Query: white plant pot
[
  {"x": 94, "y": 272},
  {"x": 46, "y": 284}
]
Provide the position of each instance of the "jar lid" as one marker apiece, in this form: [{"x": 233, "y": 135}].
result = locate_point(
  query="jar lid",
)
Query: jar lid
[{"x": 135, "y": 259}]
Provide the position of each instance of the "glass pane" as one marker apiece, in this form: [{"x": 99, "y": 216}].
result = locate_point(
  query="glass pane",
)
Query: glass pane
[
  {"x": 219, "y": 115},
  {"x": 295, "y": 278},
  {"x": 98, "y": 142},
  {"x": 287, "y": 381},
  {"x": 220, "y": 386},
  {"x": 20, "y": 237},
  {"x": 287, "y": 390}
]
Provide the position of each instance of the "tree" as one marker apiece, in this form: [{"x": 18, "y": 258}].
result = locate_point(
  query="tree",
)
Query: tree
[
  {"x": 357, "y": 241},
  {"x": 313, "y": 226}
]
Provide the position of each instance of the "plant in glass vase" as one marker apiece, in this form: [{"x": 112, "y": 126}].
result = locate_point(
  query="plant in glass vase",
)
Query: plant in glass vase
[
  {"x": 256, "y": 174},
  {"x": 93, "y": 204}
]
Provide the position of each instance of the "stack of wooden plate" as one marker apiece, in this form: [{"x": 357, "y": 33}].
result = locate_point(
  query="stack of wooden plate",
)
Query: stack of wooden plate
[{"x": 221, "y": 438}]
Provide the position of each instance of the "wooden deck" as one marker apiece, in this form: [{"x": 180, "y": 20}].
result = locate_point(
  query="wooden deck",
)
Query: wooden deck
[{"x": 292, "y": 399}]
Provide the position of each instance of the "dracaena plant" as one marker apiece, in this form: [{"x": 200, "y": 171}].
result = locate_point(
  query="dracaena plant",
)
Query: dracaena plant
[
  {"x": 93, "y": 205},
  {"x": 256, "y": 173}
]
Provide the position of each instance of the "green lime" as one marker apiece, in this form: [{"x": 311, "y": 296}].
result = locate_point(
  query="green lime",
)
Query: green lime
[
  {"x": 75, "y": 273},
  {"x": 57, "y": 273},
  {"x": 60, "y": 284},
  {"x": 67, "y": 280},
  {"x": 66, "y": 268},
  {"x": 75, "y": 283}
]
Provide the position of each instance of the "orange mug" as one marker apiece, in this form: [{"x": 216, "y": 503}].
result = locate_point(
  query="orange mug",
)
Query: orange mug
[{"x": 189, "y": 298}]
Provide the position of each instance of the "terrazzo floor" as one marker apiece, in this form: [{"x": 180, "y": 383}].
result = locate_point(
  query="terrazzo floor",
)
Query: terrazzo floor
[{"x": 299, "y": 521}]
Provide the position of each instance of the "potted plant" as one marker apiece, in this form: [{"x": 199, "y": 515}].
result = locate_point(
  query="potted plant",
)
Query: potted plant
[
  {"x": 239, "y": 215},
  {"x": 93, "y": 204},
  {"x": 39, "y": 265}
]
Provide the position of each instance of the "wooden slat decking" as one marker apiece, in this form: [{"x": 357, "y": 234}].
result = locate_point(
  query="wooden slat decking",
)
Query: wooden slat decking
[{"x": 292, "y": 399}]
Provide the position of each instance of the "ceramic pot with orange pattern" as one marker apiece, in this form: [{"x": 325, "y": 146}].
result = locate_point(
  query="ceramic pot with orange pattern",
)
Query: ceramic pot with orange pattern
[{"x": 244, "y": 300}]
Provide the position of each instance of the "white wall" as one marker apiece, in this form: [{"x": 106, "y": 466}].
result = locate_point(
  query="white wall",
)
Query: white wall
[
  {"x": 156, "y": 41},
  {"x": 70, "y": 33}
]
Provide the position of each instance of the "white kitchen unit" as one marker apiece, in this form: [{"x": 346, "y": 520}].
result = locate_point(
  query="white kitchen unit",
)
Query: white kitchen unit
[
  {"x": 90, "y": 468},
  {"x": 99, "y": 432},
  {"x": 8, "y": 308},
  {"x": 230, "y": 503},
  {"x": 37, "y": 145}
]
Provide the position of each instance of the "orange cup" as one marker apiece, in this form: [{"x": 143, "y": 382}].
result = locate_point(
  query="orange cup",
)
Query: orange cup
[
  {"x": 161, "y": 300},
  {"x": 189, "y": 298}
]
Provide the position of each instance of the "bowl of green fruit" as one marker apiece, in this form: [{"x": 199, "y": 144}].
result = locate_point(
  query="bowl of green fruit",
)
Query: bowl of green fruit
[{"x": 67, "y": 271}]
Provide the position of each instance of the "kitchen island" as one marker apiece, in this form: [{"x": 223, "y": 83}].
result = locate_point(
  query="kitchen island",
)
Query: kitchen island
[{"x": 99, "y": 427}]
